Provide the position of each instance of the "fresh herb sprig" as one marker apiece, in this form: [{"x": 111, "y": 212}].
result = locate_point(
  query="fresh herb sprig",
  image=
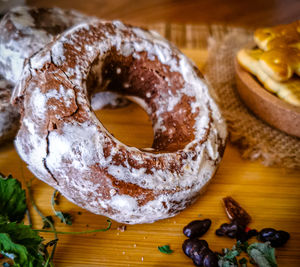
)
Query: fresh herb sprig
[
  {"x": 229, "y": 257},
  {"x": 12, "y": 200},
  {"x": 165, "y": 249},
  {"x": 261, "y": 254},
  {"x": 76, "y": 233},
  {"x": 20, "y": 242},
  {"x": 17, "y": 241},
  {"x": 46, "y": 221}
]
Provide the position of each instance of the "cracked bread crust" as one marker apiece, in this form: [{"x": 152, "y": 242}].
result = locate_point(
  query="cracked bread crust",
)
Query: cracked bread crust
[
  {"x": 24, "y": 31},
  {"x": 65, "y": 145}
]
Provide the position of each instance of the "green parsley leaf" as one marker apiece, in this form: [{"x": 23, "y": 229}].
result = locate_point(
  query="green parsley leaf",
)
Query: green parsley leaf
[
  {"x": 231, "y": 254},
  {"x": 229, "y": 257},
  {"x": 3, "y": 218},
  {"x": 12, "y": 200},
  {"x": 227, "y": 261},
  {"x": 262, "y": 254},
  {"x": 22, "y": 234},
  {"x": 165, "y": 249},
  {"x": 21, "y": 243}
]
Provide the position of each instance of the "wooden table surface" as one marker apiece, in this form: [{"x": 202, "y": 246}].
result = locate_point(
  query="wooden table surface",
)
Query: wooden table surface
[{"x": 271, "y": 195}]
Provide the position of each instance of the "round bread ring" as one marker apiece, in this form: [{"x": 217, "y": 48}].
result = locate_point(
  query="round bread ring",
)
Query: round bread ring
[{"x": 65, "y": 145}]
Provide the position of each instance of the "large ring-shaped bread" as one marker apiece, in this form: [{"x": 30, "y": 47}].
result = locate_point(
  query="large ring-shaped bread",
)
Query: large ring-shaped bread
[{"x": 65, "y": 145}]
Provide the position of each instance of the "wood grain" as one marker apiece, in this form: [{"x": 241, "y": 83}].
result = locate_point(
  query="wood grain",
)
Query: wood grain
[
  {"x": 270, "y": 195},
  {"x": 251, "y": 13}
]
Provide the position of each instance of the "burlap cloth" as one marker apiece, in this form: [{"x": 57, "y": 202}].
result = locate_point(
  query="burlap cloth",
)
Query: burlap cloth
[{"x": 255, "y": 139}]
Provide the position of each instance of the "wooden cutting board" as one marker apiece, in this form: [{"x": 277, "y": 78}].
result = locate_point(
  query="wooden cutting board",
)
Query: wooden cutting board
[{"x": 271, "y": 195}]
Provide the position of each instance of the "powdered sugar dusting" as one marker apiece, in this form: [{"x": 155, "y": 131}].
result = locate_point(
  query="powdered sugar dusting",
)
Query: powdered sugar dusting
[
  {"x": 28, "y": 38},
  {"x": 20, "y": 37},
  {"x": 9, "y": 118},
  {"x": 89, "y": 163}
]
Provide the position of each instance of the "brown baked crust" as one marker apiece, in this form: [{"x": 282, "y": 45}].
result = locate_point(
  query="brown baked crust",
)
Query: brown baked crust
[
  {"x": 65, "y": 145},
  {"x": 24, "y": 31},
  {"x": 9, "y": 118}
]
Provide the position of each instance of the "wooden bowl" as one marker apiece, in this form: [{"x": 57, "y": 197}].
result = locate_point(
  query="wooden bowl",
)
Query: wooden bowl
[{"x": 268, "y": 107}]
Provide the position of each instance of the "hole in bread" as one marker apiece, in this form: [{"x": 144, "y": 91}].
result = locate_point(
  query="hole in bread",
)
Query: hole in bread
[
  {"x": 130, "y": 125},
  {"x": 154, "y": 86}
]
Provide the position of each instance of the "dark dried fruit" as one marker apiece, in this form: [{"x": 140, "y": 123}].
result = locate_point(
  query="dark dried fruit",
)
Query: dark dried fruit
[
  {"x": 251, "y": 233},
  {"x": 196, "y": 228},
  {"x": 241, "y": 236},
  {"x": 235, "y": 212},
  {"x": 210, "y": 260},
  {"x": 200, "y": 253},
  {"x": 191, "y": 245},
  {"x": 228, "y": 229},
  {"x": 276, "y": 238},
  {"x": 220, "y": 232},
  {"x": 233, "y": 230},
  {"x": 266, "y": 233},
  {"x": 199, "y": 256}
]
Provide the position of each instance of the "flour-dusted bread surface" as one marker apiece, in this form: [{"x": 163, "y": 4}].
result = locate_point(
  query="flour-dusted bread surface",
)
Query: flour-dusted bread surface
[
  {"x": 9, "y": 118},
  {"x": 65, "y": 145},
  {"x": 23, "y": 32}
]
